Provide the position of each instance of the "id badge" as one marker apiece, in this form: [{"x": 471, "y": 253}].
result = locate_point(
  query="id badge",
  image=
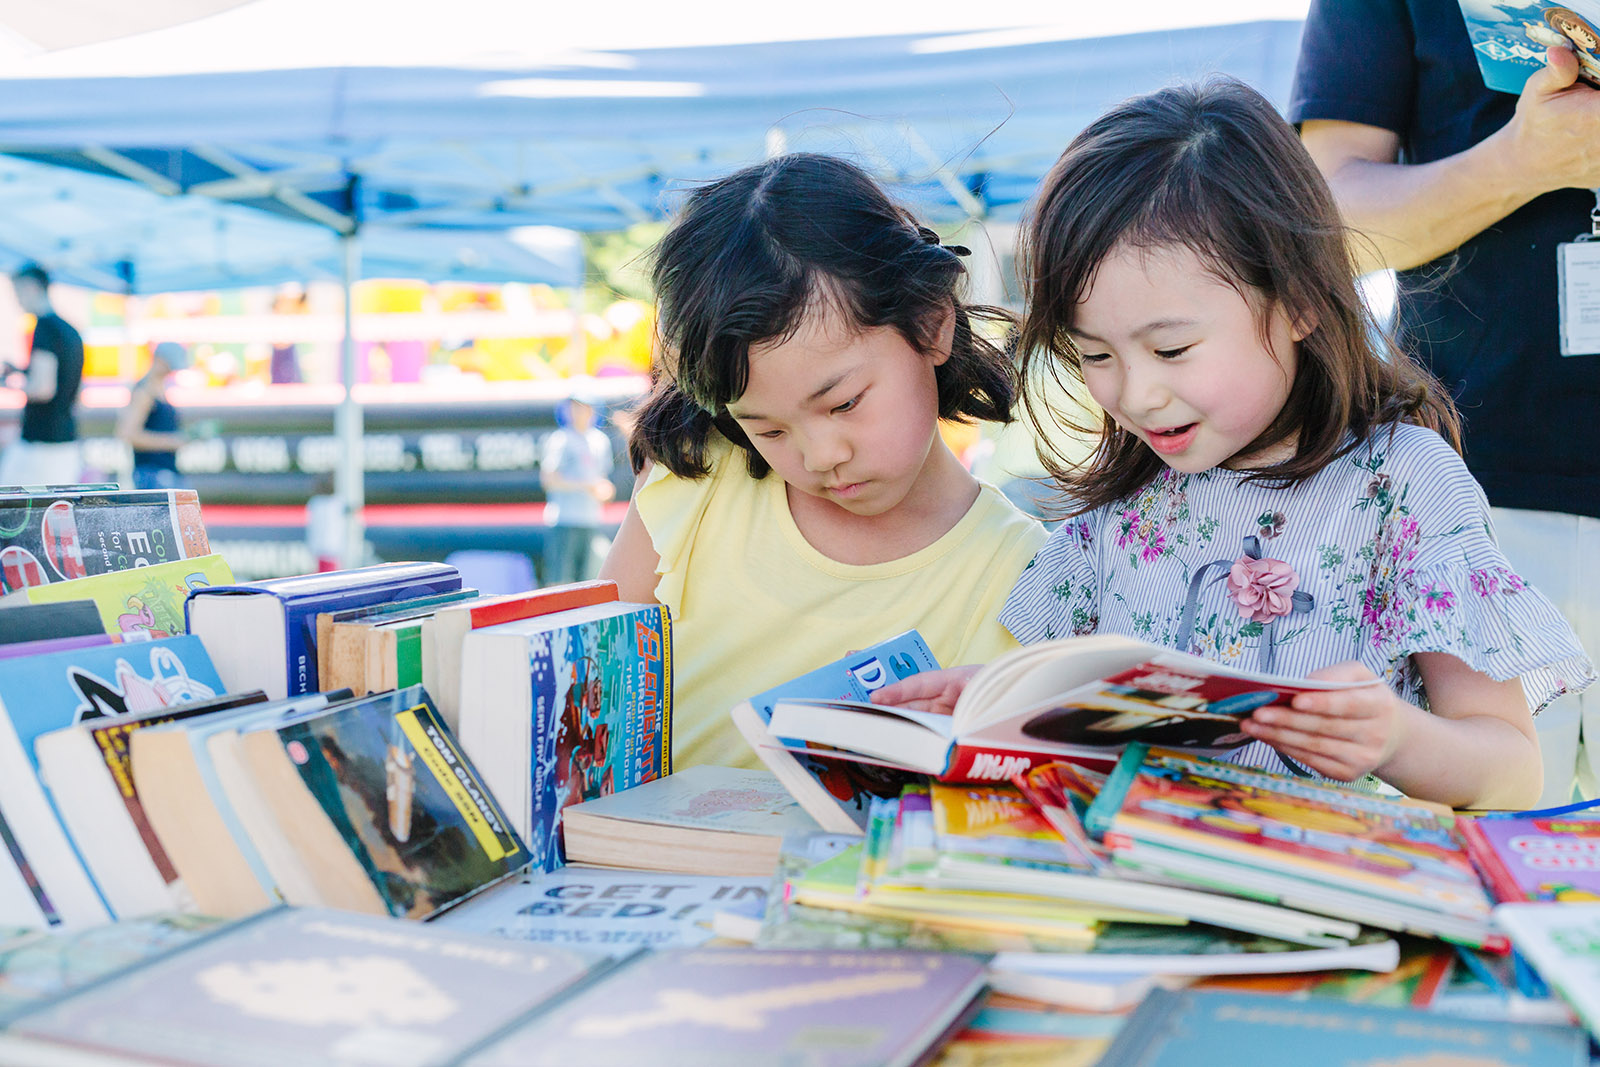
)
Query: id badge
[{"x": 1578, "y": 285}]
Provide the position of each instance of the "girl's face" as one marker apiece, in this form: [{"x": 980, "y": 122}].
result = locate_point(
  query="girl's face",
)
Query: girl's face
[
  {"x": 1176, "y": 356},
  {"x": 843, "y": 414}
]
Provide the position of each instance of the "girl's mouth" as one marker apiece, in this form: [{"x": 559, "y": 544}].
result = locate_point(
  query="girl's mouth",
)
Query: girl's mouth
[{"x": 1173, "y": 441}]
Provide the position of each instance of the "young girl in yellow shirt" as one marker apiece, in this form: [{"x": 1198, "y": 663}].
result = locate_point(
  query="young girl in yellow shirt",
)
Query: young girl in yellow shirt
[{"x": 795, "y": 500}]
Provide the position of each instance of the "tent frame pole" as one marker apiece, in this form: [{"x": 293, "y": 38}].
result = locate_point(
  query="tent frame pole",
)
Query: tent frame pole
[{"x": 350, "y": 475}]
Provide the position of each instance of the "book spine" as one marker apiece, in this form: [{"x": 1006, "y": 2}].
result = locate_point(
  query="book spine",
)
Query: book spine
[
  {"x": 408, "y": 657},
  {"x": 1097, "y": 820},
  {"x": 545, "y": 602},
  {"x": 1490, "y": 864},
  {"x": 300, "y": 616}
]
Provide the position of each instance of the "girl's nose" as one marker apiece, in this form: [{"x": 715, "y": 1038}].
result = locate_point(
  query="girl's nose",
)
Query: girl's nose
[
  {"x": 825, "y": 451},
  {"x": 1144, "y": 390}
]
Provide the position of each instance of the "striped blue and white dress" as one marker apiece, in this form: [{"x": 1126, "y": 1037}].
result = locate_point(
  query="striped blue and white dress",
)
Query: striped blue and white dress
[{"x": 1391, "y": 543}]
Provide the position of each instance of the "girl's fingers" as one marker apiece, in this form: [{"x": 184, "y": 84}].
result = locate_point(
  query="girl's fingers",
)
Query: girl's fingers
[{"x": 1308, "y": 723}]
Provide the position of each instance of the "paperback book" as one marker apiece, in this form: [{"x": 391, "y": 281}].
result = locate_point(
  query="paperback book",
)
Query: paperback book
[
  {"x": 1510, "y": 38},
  {"x": 1536, "y": 859},
  {"x": 1080, "y": 698},
  {"x": 836, "y": 792},
  {"x": 141, "y": 604},
  {"x": 57, "y": 536},
  {"x": 563, "y": 708},
  {"x": 1563, "y": 944}
]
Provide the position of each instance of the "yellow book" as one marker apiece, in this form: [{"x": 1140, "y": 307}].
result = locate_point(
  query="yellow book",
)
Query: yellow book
[{"x": 145, "y": 603}]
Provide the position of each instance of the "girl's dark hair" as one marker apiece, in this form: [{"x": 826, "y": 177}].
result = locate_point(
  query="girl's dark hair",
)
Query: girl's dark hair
[
  {"x": 1214, "y": 168},
  {"x": 752, "y": 254}
]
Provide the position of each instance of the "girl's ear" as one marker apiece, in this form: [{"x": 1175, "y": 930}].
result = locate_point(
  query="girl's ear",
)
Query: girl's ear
[
  {"x": 1303, "y": 327},
  {"x": 947, "y": 337}
]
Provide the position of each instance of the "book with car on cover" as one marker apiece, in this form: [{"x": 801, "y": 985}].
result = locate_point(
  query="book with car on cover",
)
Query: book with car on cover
[
  {"x": 1536, "y": 859},
  {"x": 563, "y": 708},
  {"x": 1385, "y": 861},
  {"x": 835, "y": 792},
  {"x": 39, "y": 694},
  {"x": 262, "y": 635},
  {"x": 1510, "y": 37},
  {"x": 1079, "y": 698},
  {"x": 303, "y": 986},
  {"x": 751, "y": 1005},
  {"x": 56, "y": 536}
]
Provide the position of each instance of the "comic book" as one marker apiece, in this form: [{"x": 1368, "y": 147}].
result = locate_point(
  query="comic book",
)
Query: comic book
[
  {"x": 141, "y": 604},
  {"x": 1510, "y": 37},
  {"x": 1536, "y": 859}
]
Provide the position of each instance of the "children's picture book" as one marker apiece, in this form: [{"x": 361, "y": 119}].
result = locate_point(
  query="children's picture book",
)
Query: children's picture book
[
  {"x": 442, "y": 632},
  {"x": 56, "y": 536},
  {"x": 1386, "y": 861},
  {"x": 1510, "y": 38},
  {"x": 305, "y": 986},
  {"x": 1079, "y": 698},
  {"x": 141, "y": 604},
  {"x": 996, "y": 822},
  {"x": 39, "y": 694},
  {"x": 378, "y": 807},
  {"x": 704, "y": 1005},
  {"x": 563, "y": 708},
  {"x": 1563, "y": 944},
  {"x": 702, "y": 820},
  {"x": 1268, "y": 1031},
  {"x": 1536, "y": 859},
  {"x": 836, "y": 792},
  {"x": 609, "y": 911},
  {"x": 89, "y": 772},
  {"x": 263, "y": 635}
]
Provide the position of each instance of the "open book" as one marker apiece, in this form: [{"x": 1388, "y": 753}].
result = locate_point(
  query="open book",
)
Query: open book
[
  {"x": 1509, "y": 37},
  {"x": 1078, "y": 698}
]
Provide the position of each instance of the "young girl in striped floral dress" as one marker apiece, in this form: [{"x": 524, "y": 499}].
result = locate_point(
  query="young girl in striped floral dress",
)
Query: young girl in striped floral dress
[{"x": 1270, "y": 491}]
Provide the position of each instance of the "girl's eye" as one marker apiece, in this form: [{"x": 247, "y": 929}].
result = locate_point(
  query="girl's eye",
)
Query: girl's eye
[
  {"x": 1172, "y": 353},
  {"x": 1094, "y": 357},
  {"x": 771, "y": 435},
  {"x": 848, "y": 405}
]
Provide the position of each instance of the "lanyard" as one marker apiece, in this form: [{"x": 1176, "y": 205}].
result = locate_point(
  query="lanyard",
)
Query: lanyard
[{"x": 1594, "y": 220}]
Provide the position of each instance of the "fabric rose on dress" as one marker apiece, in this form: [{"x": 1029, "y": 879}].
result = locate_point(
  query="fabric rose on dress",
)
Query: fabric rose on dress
[{"x": 1263, "y": 589}]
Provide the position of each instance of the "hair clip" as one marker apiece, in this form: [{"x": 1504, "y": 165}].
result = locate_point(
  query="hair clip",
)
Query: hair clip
[{"x": 929, "y": 237}]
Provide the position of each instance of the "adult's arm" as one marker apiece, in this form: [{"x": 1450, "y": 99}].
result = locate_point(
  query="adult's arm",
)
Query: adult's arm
[
  {"x": 131, "y": 420},
  {"x": 41, "y": 381},
  {"x": 1413, "y": 214}
]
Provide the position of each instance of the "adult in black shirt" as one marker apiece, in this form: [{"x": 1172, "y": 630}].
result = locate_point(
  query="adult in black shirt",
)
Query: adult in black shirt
[
  {"x": 1467, "y": 192},
  {"x": 47, "y": 451}
]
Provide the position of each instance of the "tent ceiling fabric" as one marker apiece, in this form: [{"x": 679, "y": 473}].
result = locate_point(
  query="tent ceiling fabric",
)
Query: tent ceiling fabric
[
  {"x": 53, "y": 24},
  {"x": 962, "y": 123}
]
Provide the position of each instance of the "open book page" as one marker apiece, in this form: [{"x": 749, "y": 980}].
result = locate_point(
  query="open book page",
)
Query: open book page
[{"x": 1510, "y": 37}]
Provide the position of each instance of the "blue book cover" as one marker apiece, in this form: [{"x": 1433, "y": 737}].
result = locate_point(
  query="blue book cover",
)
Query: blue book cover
[
  {"x": 228, "y": 618},
  {"x": 1168, "y": 1029},
  {"x": 1510, "y": 38},
  {"x": 39, "y": 694},
  {"x": 837, "y": 793},
  {"x": 602, "y": 714}
]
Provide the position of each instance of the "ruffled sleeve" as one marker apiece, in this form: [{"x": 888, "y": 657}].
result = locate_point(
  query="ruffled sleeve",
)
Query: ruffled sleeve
[
  {"x": 672, "y": 509},
  {"x": 1058, "y": 594},
  {"x": 1439, "y": 583}
]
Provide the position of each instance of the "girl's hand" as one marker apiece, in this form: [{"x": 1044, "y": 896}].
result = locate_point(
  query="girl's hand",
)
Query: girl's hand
[
  {"x": 1344, "y": 734},
  {"x": 929, "y": 691}
]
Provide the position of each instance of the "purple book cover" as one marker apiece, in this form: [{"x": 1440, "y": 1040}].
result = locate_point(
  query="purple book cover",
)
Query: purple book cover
[
  {"x": 695, "y": 1006},
  {"x": 53, "y": 644},
  {"x": 1546, "y": 859}
]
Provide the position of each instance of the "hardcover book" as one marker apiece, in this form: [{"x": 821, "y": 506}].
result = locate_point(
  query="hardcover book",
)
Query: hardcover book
[
  {"x": 836, "y": 792},
  {"x": 1385, "y": 861},
  {"x": 308, "y": 987},
  {"x": 1536, "y": 859},
  {"x": 262, "y": 635},
  {"x": 567, "y": 707},
  {"x": 39, "y": 694},
  {"x": 56, "y": 536},
  {"x": 1510, "y": 37},
  {"x": 609, "y": 911},
  {"x": 142, "y": 604},
  {"x": 377, "y": 807},
  {"x": 1080, "y": 698},
  {"x": 1266, "y": 1031},
  {"x": 698, "y": 1006}
]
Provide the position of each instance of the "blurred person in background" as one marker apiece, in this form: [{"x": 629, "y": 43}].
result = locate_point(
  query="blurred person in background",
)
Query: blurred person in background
[
  {"x": 575, "y": 470},
  {"x": 149, "y": 424},
  {"x": 47, "y": 452}
]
